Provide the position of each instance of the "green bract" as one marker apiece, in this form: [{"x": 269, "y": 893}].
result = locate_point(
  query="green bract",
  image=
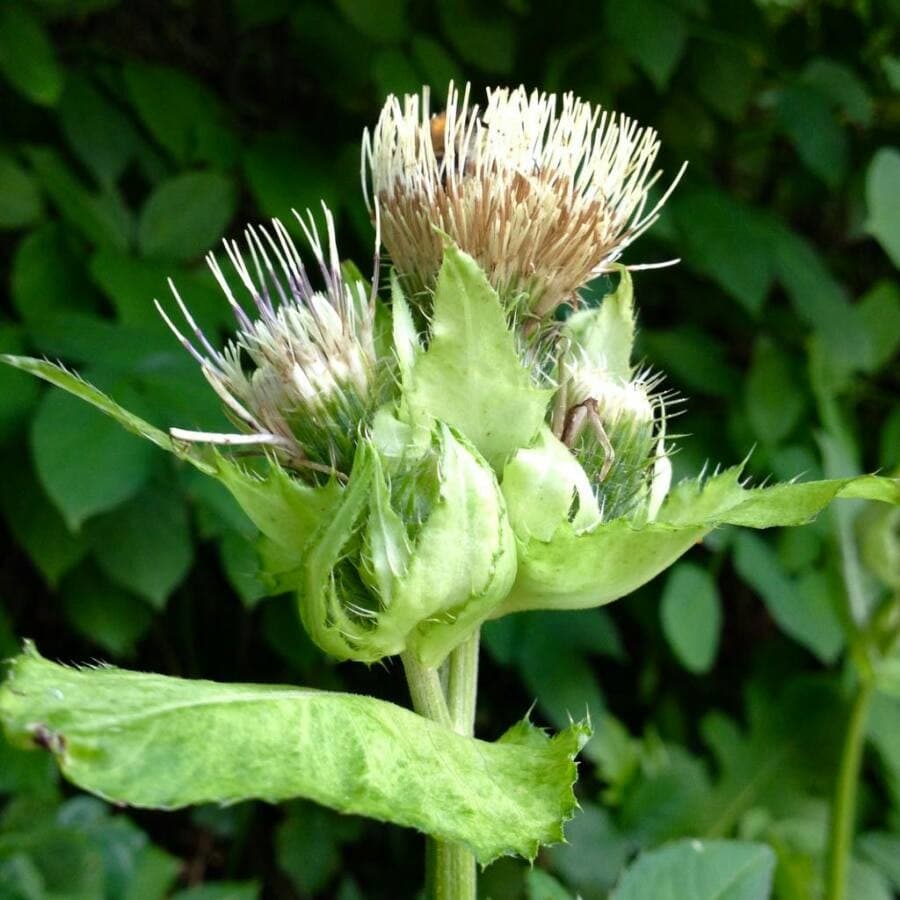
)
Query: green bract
[
  {"x": 571, "y": 566},
  {"x": 416, "y": 555}
]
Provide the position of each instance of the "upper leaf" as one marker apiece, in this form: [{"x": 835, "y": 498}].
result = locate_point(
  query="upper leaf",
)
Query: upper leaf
[
  {"x": 160, "y": 742},
  {"x": 471, "y": 377}
]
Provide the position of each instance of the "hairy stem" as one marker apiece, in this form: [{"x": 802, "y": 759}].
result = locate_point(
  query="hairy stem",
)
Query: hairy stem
[
  {"x": 450, "y": 868},
  {"x": 843, "y": 810}
]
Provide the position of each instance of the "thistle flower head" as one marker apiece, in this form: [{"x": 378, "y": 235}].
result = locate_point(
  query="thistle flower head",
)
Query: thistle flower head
[
  {"x": 544, "y": 193},
  {"x": 614, "y": 426},
  {"x": 300, "y": 375}
]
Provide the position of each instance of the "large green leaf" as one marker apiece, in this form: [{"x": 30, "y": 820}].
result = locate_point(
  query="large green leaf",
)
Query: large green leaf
[
  {"x": 471, "y": 377},
  {"x": 575, "y": 568},
  {"x": 700, "y": 870},
  {"x": 160, "y": 742}
]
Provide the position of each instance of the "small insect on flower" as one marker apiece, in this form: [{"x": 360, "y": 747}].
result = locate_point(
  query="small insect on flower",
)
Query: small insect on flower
[
  {"x": 544, "y": 193},
  {"x": 300, "y": 377}
]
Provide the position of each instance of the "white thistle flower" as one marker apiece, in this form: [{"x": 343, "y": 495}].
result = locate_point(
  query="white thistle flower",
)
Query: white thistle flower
[
  {"x": 544, "y": 194},
  {"x": 300, "y": 376}
]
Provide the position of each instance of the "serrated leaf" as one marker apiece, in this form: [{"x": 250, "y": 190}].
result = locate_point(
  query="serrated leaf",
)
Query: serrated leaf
[
  {"x": 199, "y": 741},
  {"x": 470, "y": 377},
  {"x": 186, "y": 215},
  {"x": 700, "y": 870}
]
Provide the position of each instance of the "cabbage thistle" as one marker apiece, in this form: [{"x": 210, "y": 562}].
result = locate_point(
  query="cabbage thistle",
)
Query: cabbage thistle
[{"x": 417, "y": 466}]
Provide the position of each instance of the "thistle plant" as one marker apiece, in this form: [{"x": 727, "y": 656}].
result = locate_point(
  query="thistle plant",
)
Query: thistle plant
[{"x": 418, "y": 461}]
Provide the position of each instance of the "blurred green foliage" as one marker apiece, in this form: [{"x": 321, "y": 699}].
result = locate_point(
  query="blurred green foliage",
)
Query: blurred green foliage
[{"x": 136, "y": 135}]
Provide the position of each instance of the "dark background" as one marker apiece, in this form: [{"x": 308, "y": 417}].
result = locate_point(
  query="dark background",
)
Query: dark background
[{"x": 135, "y": 135}]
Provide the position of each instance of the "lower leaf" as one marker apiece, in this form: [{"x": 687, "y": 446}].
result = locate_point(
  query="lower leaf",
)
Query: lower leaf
[{"x": 160, "y": 742}]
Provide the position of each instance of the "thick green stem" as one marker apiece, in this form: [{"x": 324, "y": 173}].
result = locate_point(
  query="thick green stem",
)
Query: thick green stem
[
  {"x": 450, "y": 868},
  {"x": 843, "y": 811}
]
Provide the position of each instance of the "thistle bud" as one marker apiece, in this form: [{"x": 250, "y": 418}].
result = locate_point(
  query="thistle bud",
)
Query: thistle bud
[
  {"x": 607, "y": 413},
  {"x": 544, "y": 194},
  {"x": 416, "y": 556},
  {"x": 301, "y": 377}
]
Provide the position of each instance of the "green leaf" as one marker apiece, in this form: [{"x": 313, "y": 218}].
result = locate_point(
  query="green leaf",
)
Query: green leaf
[
  {"x": 27, "y": 58},
  {"x": 577, "y": 569},
  {"x": 221, "y": 890},
  {"x": 470, "y": 377},
  {"x": 484, "y": 41},
  {"x": 803, "y": 609},
  {"x": 882, "y": 188},
  {"x": 308, "y": 844},
  {"x": 692, "y": 616},
  {"x": 773, "y": 396},
  {"x": 186, "y": 215},
  {"x": 85, "y": 462},
  {"x": 106, "y": 615},
  {"x": 694, "y": 359},
  {"x": 101, "y": 217},
  {"x": 183, "y": 115},
  {"x": 37, "y": 525},
  {"x": 820, "y": 300},
  {"x": 883, "y": 851},
  {"x": 100, "y": 134},
  {"x": 790, "y": 747},
  {"x": 435, "y": 63},
  {"x": 17, "y": 396},
  {"x": 843, "y": 88},
  {"x": 145, "y": 545},
  {"x": 79, "y": 388},
  {"x": 199, "y": 741},
  {"x": 819, "y": 140},
  {"x": 48, "y": 275},
  {"x": 542, "y": 886},
  {"x": 285, "y": 174},
  {"x": 385, "y": 23},
  {"x": 652, "y": 33},
  {"x": 727, "y": 241},
  {"x": 20, "y": 200},
  {"x": 700, "y": 870}
]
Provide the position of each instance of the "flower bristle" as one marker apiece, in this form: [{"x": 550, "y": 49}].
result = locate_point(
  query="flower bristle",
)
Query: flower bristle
[
  {"x": 544, "y": 194},
  {"x": 302, "y": 376}
]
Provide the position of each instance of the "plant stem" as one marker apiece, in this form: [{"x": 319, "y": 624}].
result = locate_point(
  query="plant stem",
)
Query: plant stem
[
  {"x": 462, "y": 688},
  {"x": 843, "y": 810},
  {"x": 450, "y": 868}
]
